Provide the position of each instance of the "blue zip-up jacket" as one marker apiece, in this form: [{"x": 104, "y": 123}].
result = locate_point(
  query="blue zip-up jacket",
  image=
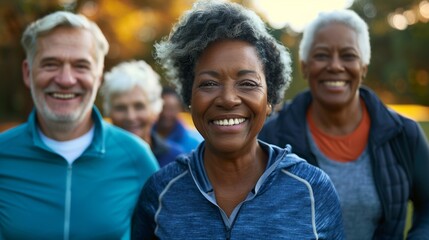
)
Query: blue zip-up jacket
[
  {"x": 291, "y": 200},
  {"x": 43, "y": 197},
  {"x": 164, "y": 151},
  {"x": 399, "y": 155},
  {"x": 187, "y": 139}
]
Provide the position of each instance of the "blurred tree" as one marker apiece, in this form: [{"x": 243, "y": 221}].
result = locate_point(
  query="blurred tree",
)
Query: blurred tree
[
  {"x": 131, "y": 27},
  {"x": 400, "y": 58},
  {"x": 15, "y": 100},
  {"x": 399, "y": 69}
]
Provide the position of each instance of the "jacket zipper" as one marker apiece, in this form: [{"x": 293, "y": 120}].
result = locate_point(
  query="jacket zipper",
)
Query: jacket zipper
[
  {"x": 230, "y": 226},
  {"x": 67, "y": 203},
  {"x": 228, "y": 233}
]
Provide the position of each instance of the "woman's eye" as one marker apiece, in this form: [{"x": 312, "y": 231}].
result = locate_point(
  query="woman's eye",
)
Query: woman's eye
[
  {"x": 321, "y": 56},
  {"x": 139, "y": 106},
  {"x": 119, "y": 108},
  {"x": 350, "y": 56},
  {"x": 248, "y": 84},
  {"x": 208, "y": 84}
]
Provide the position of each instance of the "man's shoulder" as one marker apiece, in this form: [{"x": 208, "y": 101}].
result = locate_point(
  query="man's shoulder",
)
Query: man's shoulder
[
  {"x": 121, "y": 138},
  {"x": 14, "y": 134},
  {"x": 123, "y": 144},
  {"x": 17, "y": 142},
  {"x": 113, "y": 132}
]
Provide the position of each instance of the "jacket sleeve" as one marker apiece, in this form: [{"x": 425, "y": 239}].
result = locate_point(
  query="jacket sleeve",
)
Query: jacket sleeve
[
  {"x": 420, "y": 179},
  {"x": 143, "y": 222},
  {"x": 329, "y": 220}
]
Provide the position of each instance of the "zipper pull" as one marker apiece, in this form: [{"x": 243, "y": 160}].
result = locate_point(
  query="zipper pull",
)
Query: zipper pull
[{"x": 228, "y": 234}]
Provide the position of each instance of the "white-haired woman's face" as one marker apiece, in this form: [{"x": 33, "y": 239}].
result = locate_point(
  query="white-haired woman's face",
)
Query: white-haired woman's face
[
  {"x": 334, "y": 68},
  {"x": 133, "y": 112}
]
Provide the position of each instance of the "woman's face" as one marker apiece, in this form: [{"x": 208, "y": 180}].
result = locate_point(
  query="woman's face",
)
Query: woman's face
[
  {"x": 229, "y": 96},
  {"x": 334, "y": 69},
  {"x": 133, "y": 112}
]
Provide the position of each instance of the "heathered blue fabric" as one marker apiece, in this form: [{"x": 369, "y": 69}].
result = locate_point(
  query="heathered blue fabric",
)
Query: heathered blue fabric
[
  {"x": 104, "y": 184},
  {"x": 355, "y": 186},
  {"x": 399, "y": 154},
  {"x": 175, "y": 203}
]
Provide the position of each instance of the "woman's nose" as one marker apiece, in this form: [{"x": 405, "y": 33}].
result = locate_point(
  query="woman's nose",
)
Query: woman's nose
[
  {"x": 335, "y": 64},
  {"x": 131, "y": 114},
  {"x": 229, "y": 97}
]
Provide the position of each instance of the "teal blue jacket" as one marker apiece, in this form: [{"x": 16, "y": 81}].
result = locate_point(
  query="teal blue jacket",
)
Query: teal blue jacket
[{"x": 43, "y": 197}]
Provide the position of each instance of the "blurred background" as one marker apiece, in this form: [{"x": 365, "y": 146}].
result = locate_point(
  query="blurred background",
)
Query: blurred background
[{"x": 399, "y": 31}]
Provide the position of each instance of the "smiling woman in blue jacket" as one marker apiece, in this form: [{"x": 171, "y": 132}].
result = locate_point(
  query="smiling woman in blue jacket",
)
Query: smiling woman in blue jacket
[{"x": 230, "y": 71}]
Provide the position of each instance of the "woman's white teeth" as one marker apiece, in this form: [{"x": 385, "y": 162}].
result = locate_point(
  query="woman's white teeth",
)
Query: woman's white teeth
[
  {"x": 63, "y": 95},
  {"x": 229, "y": 122},
  {"x": 335, "y": 83}
]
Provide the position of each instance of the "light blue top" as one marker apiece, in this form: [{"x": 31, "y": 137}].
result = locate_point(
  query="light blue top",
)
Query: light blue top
[
  {"x": 187, "y": 139},
  {"x": 291, "y": 200},
  {"x": 354, "y": 182},
  {"x": 42, "y": 196}
]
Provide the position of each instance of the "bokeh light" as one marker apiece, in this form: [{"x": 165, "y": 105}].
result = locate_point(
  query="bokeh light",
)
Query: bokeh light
[{"x": 295, "y": 13}]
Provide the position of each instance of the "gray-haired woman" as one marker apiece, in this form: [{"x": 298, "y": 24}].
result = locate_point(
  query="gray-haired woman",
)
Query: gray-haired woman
[
  {"x": 377, "y": 159},
  {"x": 231, "y": 71}
]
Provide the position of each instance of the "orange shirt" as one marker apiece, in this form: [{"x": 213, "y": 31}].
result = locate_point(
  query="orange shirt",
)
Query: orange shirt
[{"x": 344, "y": 148}]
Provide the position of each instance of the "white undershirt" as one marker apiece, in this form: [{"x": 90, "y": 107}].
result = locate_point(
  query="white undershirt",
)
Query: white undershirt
[{"x": 71, "y": 149}]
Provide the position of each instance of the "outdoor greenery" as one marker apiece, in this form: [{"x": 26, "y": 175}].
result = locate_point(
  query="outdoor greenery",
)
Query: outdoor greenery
[{"x": 398, "y": 71}]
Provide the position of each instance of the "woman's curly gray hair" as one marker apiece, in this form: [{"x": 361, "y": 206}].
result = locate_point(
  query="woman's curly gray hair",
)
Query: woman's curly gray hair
[{"x": 211, "y": 20}]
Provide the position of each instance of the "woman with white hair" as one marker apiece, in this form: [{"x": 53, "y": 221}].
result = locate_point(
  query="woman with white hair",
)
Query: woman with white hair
[
  {"x": 377, "y": 159},
  {"x": 132, "y": 100}
]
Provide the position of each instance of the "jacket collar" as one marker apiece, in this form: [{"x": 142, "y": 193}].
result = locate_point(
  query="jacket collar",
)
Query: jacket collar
[
  {"x": 385, "y": 123},
  {"x": 277, "y": 158},
  {"x": 97, "y": 145},
  {"x": 292, "y": 126}
]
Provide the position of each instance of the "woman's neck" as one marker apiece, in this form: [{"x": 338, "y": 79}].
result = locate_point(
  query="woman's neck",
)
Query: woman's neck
[
  {"x": 233, "y": 179},
  {"x": 339, "y": 121}
]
